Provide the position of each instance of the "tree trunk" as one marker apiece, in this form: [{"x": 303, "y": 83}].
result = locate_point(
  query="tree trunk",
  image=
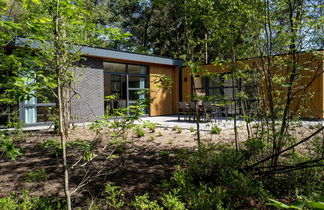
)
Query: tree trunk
[
  {"x": 63, "y": 92},
  {"x": 196, "y": 114}
]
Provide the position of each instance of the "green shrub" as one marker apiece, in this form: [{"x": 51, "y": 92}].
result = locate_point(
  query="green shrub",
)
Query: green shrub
[
  {"x": 164, "y": 153},
  {"x": 172, "y": 202},
  {"x": 26, "y": 202},
  {"x": 54, "y": 147},
  {"x": 8, "y": 148},
  {"x": 212, "y": 180},
  {"x": 115, "y": 197},
  {"x": 151, "y": 126},
  {"x": 192, "y": 129},
  {"x": 254, "y": 146},
  {"x": 216, "y": 130},
  {"x": 139, "y": 131},
  {"x": 86, "y": 149},
  {"x": 151, "y": 138},
  {"x": 36, "y": 176},
  {"x": 160, "y": 133},
  {"x": 178, "y": 129},
  {"x": 316, "y": 202},
  {"x": 143, "y": 203}
]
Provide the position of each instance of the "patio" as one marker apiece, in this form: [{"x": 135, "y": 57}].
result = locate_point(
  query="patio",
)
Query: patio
[
  {"x": 169, "y": 121},
  {"x": 172, "y": 120}
]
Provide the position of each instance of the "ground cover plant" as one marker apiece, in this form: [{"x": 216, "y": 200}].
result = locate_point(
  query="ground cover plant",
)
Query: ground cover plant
[
  {"x": 156, "y": 174},
  {"x": 273, "y": 160}
]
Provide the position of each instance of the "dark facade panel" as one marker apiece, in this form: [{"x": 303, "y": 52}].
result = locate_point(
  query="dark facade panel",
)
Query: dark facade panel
[{"x": 88, "y": 104}]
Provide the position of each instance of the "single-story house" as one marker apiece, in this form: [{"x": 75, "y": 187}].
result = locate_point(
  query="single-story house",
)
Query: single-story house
[
  {"x": 106, "y": 72},
  {"x": 308, "y": 87}
]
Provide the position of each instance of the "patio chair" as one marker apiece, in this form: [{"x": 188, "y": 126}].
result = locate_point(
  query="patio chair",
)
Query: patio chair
[
  {"x": 210, "y": 110},
  {"x": 182, "y": 110},
  {"x": 192, "y": 110},
  {"x": 224, "y": 111}
]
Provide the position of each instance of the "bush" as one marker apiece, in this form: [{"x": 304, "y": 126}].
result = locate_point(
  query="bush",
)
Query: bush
[
  {"x": 26, "y": 202},
  {"x": 177, "y": 128},
  {"x": 151, "y": 126},
  {"x": 171, "y": 201},
  {"x": 143, "y": 203},
  {"x": 254, "y": 146},
  {"x": 115, "y": 197},
  {"x": 316, "y": 202},
  {"x": 139, "y": 131},
  {"x": 54, "y": 147},
  {"x": 213, "y": 180},
  {"x": 36, "y": 176},
  {"x": 8, "y": 148},
  {"x": 216, "y": 130},
  {"x": 192, "y": 129}
]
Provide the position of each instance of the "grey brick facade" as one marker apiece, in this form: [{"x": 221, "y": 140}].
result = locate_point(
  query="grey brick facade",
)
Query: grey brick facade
[{"x": 88, "y": 104}]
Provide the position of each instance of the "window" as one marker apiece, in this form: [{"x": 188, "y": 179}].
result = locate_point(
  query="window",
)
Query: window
[
  {"x": 114, "y": 67},
  {"x": 223, "y": 88},
  {"x": 137, "y": 82},
  {"x": 136, "y": 69},
  {"x": 126, "y": 81},
  {"x": 38, "y": 108}
]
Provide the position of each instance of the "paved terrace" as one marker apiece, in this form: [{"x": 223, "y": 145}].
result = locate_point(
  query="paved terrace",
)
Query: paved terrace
[{"x": 172, "y": 120}]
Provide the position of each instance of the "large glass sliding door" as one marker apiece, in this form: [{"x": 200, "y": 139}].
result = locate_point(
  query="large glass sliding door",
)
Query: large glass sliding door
[
  {"x": 223, "y": 89},
  {"x": 126, "y": 82}
]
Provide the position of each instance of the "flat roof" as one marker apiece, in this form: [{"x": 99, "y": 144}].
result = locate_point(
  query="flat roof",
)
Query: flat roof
[{"x": 108, "y": 53}]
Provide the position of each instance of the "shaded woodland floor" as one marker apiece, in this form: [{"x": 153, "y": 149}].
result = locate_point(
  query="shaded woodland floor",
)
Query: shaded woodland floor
[{"x": 141, "y": 167}]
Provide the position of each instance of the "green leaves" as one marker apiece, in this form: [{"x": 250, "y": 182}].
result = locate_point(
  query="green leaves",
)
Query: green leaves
[{"x": 8, "y": 148}]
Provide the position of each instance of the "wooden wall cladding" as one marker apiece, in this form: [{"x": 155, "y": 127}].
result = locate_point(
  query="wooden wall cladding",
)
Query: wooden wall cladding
[
  {"x": 313, "y": 69},
  {"x": 186, "y": 85},
  {"x": 164, "y": 100}
]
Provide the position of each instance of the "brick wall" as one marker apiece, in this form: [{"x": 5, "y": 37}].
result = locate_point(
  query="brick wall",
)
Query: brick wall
[{"x": 88, "y": 105}]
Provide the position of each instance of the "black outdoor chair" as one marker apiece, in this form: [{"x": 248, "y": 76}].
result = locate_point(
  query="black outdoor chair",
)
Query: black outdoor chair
[
  {"x": 183, "y": 110},
  {"x": 192, "y": 110},
  {"x": 210, "y": 110}
]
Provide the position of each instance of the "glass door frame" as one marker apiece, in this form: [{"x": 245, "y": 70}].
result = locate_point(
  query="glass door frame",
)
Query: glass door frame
[{"x": 127, "y": 75}]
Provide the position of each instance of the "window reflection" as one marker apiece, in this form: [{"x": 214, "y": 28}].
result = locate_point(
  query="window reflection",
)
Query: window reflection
[
  {"x": 114, "y": 67},
  {"x": 137, "y": 69}
]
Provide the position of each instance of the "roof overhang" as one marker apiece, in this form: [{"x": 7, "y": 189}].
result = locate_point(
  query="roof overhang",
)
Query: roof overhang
[{"x": 107, "y": 53}]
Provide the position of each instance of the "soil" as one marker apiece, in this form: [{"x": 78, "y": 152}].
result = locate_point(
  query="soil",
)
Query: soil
[{"x": 144, "y": 164}]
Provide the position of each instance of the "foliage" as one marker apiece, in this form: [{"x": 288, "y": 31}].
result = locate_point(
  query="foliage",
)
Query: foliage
[
  {"x": 36, "y": 176},
  {"x": 315, "y": 203},
  {"x": 191, "y": 129},
  {"x": 177, "y": 128},
  {"x": 151, "y": 126},
  {"x": 114, "y": 197},
  {"x": 151, "y": 138},
  {"x": 8, "y": 148},
  {"x": 213, "y": 180},
  {"x": 255, "y": 146},
  {"x": 143, "y": 202},
  {"x": 215, "y": 130},
  {"x": 163, "y": 82},
  {"x": 53, "y": 146},
  {"x": 164, "y": 153},
  {"x": 160, "y": 133},
  {"x": 86, "y": 148},
  {"x": 171, "y": 201},
  {"x": 139, "y": 131},
  {"x": 24, "y": 201}
]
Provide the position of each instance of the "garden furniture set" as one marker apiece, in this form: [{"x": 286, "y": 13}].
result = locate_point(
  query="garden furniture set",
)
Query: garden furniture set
[{"x": 207, "y": 110}]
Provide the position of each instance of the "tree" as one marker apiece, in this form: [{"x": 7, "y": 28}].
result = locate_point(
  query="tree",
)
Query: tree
[{"x": 58, "y": 27}]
